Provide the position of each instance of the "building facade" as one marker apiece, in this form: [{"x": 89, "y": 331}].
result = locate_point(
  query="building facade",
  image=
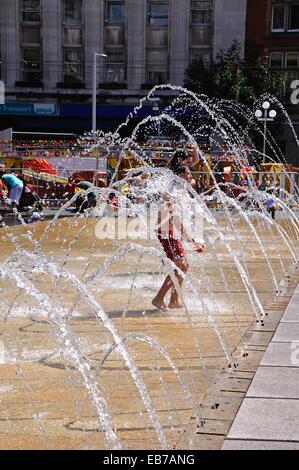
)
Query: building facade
[
  {"x": 47, "y": 46},
  {"x": 273, "y": 34}
]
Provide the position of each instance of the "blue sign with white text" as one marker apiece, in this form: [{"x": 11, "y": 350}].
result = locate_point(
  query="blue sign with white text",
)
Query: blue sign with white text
[{"x": 29, "y": 109}]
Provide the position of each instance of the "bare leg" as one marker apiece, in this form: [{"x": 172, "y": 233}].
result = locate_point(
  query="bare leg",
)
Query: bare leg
[
  {"x": 167, "y": 285},
  {"x": 159, "y": 299},
  {"x": 174, "y": 299}
]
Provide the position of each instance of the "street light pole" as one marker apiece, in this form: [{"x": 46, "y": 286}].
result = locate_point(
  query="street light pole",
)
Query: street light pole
[
  {"x": 94, "y": 91},
  {"x": 265, "y": 116},
  {"x": 265, "y": 136}
]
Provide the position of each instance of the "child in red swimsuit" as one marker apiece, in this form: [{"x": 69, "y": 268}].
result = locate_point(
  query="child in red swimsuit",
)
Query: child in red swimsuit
[{"x": 173, "y": 249}]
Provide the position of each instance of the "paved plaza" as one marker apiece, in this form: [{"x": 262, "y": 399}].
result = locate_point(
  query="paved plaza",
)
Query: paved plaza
[
  {"x": 269, "y": 415},
  {"x": 45, "y": 404}
]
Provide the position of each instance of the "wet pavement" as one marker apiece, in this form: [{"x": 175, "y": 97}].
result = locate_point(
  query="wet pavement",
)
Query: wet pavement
[
  {"x": 45, "y": 403},
  {"x": 269, "y": 414}
]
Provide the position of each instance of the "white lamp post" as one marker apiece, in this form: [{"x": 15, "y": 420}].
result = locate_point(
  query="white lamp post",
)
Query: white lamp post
[
  {"x": 265, "y": 116},
  {"x": 94, "y": 91}
]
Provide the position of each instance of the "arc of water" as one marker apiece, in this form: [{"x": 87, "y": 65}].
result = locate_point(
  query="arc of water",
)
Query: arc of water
[
  {"x": 280, "y": 230},
  {"x": 98, "y": 401},
  {"x": 254, "y": 232},
  {"x": 166, "y": 356},
  {"x": 131, "y": 247},
  {"x": 244, "y": 275},
  {"x": 50, "y": 267},
  {"x": 273, "y": 98}
]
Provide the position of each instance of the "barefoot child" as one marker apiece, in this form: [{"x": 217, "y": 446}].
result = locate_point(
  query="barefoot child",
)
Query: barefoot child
[{"x": 170, "y": 235}]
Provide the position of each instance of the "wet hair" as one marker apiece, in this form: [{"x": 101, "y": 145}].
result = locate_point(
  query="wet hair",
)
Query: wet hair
[
  {"x": 179, "y": 157},
  {"x": 180, "y": 170}
]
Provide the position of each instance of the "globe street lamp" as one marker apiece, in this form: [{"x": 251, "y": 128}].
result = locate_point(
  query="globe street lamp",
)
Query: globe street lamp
[
  {"x": 265, "y": 116},
  {"x": 94, "y": 91}
]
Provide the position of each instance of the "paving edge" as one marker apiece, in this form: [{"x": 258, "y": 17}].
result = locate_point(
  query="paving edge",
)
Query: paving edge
[{"x": 224, "y": 398}]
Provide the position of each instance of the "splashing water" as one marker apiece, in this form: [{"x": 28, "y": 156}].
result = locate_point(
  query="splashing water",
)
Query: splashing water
[{"x": 86, "y": 360}]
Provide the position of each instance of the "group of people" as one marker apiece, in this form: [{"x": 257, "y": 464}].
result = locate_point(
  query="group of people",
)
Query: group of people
[
  {"x": 266, "y": 187},
  {"x": 172, "y": 245}
]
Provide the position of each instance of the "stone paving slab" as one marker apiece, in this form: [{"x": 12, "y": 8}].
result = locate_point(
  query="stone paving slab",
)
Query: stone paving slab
[
  {"x": 57, "y": 401},
  {"x": 275, "y": 382},
  {"x": 287, "y": 333},
  {"x": 215, "y": 427},
  {"x": 269, "y": 415},
  {"x": 279, "y": 354},
  {"x": 270, "y": 323},
  {"x": 259, "y": 338},
  {"x": 221, "y": 406},
  {"x": 232, "y": 384},
  {"x": 292, "y": 311},
  {"x": 250, "y": 363},
  {"x": 234, "y": 444},
  {"x": 267, "y": 419},
  {"x": 291, "y": 315}
]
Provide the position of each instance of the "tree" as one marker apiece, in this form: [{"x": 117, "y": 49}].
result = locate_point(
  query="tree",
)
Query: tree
[
  {"x": 231, "y": 77},
  {"x": 200, "y": 78}
]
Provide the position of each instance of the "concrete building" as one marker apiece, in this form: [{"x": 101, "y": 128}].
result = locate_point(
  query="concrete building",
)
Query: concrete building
[
  {"x": 229, "y": 24},
  {"x": 273, "y": 34},
  {"x": 47, "y": 46}
]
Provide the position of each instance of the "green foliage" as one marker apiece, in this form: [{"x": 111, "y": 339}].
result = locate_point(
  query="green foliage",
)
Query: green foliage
[{"x": 230, "y": 77}]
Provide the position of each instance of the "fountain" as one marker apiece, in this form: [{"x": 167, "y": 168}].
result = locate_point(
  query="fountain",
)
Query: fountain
[{"x": 86, "y": 361}]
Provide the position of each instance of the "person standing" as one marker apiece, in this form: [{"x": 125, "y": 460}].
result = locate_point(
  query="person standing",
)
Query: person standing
[
  {"x": 14, "y": 186},
  {"x": 171, "y": 232}
]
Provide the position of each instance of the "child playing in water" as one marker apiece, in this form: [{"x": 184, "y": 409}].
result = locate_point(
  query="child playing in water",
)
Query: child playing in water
[
  {"x": 189, "y": 157},
  {"x": 174, "y": 250},
  {"x": 271, "y": 204},
  {"x": 83, "y": 202}
]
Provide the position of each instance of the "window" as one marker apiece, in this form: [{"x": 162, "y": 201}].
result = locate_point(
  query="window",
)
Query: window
[
  {"x": 200, "y": 37},
  {"x": 31, "y": 11},
  {"x": 72, "y": 66},
  {"x": 292, "y": 59},
  {"x": 31, "y": 34},
  {"x": 291, "y": 76},
  {"x": 157, "y": 75},
  {"x": 31, "y": 65},
  {"x": 73, "y": 70},
  {"x": 158, "y": 56},
  {"x": 288, "y": 60},
  {"x": 157, "y": 66},
  {"x": 114, "y": 36},
  {"x": 115, "y": 67},
  {"x": 285, "y": 17},
  {"x": 201, "y": 12},
  {"x": 204, "y": 54},
  {"x": 278, "y": 17},
  {"x": 294, "y": 17},
  {"x": 276, "y": 60},
  {"x": 30, "y": 40},
  {"x": 158, "y": 13},
  {"x": 115, "y": 12},
  {"x": 73, "y": 11},
  {"x": 72, "y": 36},
  {"x": 158, "y": 37}
]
